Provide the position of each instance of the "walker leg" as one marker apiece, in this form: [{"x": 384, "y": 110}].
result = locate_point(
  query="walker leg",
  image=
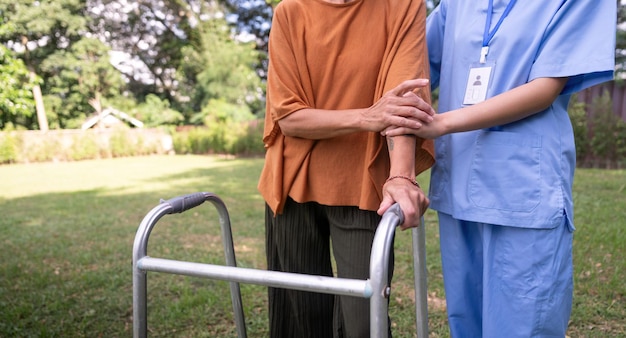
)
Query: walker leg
[
  {"x": 379, "y": 271},
  {"x": 419, "y": 270},
  {"x": 229, "y": 252},
  {"x": 140, "y": 304},
  {"x": 140, "y": 249}
]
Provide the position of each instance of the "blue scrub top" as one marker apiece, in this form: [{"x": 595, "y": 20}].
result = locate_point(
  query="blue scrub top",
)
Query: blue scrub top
[{"x": 519, "y": 174}]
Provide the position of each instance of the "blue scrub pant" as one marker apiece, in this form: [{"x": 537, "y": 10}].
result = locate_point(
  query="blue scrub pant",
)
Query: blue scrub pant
[{"x": 505, "y": 281}]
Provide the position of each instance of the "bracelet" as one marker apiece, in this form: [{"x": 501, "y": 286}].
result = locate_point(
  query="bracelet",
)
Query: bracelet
[{"x": 413, "y": 181}]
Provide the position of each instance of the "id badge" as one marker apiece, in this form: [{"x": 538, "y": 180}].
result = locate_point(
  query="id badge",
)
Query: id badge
[{"x": 478, "y": 82}]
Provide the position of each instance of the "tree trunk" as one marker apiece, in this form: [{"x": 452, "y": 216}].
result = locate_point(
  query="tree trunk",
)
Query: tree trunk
[{"x": 42, "y": 119}]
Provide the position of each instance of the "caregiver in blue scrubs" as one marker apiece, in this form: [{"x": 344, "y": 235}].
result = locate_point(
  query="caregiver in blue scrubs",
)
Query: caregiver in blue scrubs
[{"x": 502, "y": 183}]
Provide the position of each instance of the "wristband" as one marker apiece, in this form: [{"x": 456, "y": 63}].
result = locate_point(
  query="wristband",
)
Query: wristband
[{"x": 413, "y": 181}]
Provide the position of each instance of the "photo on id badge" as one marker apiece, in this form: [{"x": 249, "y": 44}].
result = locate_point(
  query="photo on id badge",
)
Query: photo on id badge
[{"x": 477, "y": 83}]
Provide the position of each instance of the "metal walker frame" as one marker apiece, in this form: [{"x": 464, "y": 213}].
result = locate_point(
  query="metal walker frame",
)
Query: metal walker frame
[{"x": 375, "y": 288}]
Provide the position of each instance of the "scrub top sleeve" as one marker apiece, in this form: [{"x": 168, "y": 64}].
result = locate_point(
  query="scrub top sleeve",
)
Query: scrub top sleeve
[
  {"x": 579, "y": 43},
  {"x": 435, "y": 27}
]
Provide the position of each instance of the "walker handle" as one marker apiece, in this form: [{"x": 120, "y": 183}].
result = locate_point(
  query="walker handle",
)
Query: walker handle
[{"x": 183, "y": 203}]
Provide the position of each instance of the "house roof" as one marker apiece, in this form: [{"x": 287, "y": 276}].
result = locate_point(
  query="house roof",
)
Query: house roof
[{"x": 108, "y": 114}]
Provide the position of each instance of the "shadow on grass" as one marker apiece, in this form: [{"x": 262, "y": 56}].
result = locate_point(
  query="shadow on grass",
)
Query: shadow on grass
[{"x": 66, "y": 257}]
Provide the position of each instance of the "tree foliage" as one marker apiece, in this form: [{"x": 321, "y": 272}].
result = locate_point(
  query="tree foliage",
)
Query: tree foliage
[
  {"x": 77, "y": 79},
  {"x": 219, "y": 68},
  {"x": 188, "y": 48},
  {"x": 155, "y": 112},
  {"x": 36, "y": 29},
  {"x": 151, "y": 34},
  {"x": 171, "y": 62},
  {"x": 40, "y": 28},
  {"x": 253, "y": 19},
  {"x": 16, "y": 98},
  {"x": 620, "y": 48}
]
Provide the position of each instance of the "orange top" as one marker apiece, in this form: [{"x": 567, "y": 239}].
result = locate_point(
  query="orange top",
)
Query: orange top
[{"x": 338, "y": 56}]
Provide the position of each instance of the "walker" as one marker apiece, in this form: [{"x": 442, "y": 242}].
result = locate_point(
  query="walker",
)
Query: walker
[{"x": 375, "y": 288}]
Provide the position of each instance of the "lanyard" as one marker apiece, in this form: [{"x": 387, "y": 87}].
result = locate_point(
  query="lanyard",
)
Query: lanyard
[{"x": 487, "y": 35}]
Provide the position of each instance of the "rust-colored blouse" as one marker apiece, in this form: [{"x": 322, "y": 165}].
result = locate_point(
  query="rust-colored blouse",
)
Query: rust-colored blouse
[{"x": 338, "y": 56}]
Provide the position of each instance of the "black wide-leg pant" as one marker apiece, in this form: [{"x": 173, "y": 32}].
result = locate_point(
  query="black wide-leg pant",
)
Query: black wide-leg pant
[{"x": 299, "y": 240}]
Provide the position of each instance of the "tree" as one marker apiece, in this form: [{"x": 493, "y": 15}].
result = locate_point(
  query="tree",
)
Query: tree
[
  {"x": 37, "y": 29},
  {"x": 252, "y": 20},
  {"x": 173, "y": 42},
  {"x": 16, "y": 97},
  {"x": 77, "y": 80},
  {"x": 219, "y": 67},
  {"x": 156, "y": 112},
  {"x": 152, "y": 34}
]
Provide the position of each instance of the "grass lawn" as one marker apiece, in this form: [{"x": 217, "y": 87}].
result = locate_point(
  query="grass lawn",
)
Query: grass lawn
[{"x": 67, "y": 230}]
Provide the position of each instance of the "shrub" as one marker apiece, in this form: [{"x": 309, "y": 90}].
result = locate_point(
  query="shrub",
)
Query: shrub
[
  {"x": 51, "y": 150},
  {"x": 608, "y": 133},
  {"x": 84, "y": 147},
  {"x": 618, "y": 137},
  {"x": 600, "y": 134},
  {"x": 199, "y": 141},
  {"x": 251, "y": 142},
  {"x": 578, "y": 117},
  {"x": 224, "y": 137},
  {"x": 73, "y": 145},
  {"x": 181, "y": 143},
  {"x": 8, "y": 148},
  {"x": 145, "y": 148},
  {"x": 121, "y": 144}
]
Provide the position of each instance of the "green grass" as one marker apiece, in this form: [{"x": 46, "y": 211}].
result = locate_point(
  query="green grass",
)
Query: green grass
[{"x": 67, "y": 229}]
